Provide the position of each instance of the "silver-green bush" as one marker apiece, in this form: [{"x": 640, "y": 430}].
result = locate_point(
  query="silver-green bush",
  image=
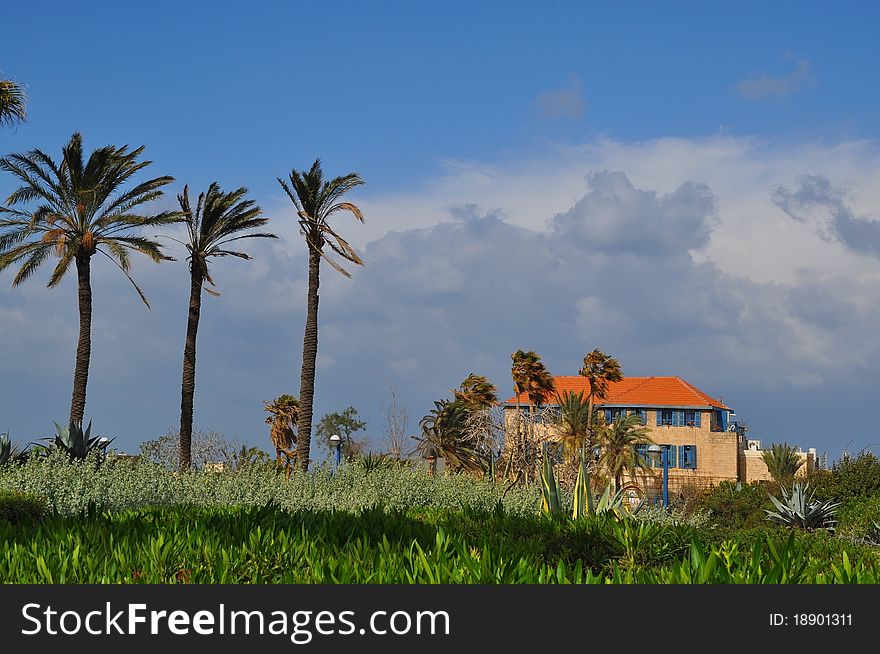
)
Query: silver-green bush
[{"x": 70, "y": 487}]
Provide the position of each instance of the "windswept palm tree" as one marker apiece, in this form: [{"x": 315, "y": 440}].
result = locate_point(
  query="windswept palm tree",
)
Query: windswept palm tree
[
  {"x": 530, "y": 377},
  {"x": 445, "y": 435},
  {"x": 78, "y": 209},
  {"x": 316, "y": 199},
  {"x": 284, "y": 413},
  {"x": 13, "y": 103},
  {"x": 477, "y": 392},
  {"x": 782, "y": 462},
  {"x": 619, "y": 442},
  {"x": 599, "y": 369},
  {"x": 219, "y": 219}
]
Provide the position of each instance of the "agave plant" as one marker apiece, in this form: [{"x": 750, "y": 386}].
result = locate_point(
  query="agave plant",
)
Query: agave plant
[
  {"x": 551, "y": 493},
  {"x": 76, "y": 443},
  {"x": 798, "y": 508},
  {"x": 583, "y": 503},
  {"x": 9, "y": 453}
]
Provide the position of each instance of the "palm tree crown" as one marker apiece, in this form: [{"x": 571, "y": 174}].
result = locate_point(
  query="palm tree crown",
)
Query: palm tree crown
[
  {"x": 531, "y": 377},
  {"x": 782, "y": 462},
  {"x": 80, "y": 212},
  {"x": 13, "y": 103},
  {"x": 219, "y": 219},
  {"x": 316, "y": 200},
  {"x": 476, "y": 392},
  {"x": 619, "y": 442}
]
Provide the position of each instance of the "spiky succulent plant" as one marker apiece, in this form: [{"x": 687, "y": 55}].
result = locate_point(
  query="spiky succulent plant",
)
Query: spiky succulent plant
[
  {"x": 75, "y": 442},
  {"x": 800, "y": 509},
  {"x": 9, "y": 453}
]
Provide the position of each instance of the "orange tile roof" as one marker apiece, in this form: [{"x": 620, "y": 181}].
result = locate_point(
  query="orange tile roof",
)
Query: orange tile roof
[{"x": 636, "y": 391}]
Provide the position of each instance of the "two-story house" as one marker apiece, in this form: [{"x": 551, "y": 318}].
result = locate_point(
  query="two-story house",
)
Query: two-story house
[{"x": 702, "y": 442}]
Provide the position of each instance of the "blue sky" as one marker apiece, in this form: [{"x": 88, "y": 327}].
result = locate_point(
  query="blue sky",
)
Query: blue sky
[{"x": 481, "y": 131}]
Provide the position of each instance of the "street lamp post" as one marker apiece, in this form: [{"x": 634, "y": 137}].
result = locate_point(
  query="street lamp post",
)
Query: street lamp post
[
  {"x": 655, "y": 451},
  {"x": 335, "y": 440}
]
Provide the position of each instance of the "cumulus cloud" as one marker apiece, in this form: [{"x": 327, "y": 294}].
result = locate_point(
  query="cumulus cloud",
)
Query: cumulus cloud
[
  {"x": 815, "y": 201},
  {"x": 761, "y": 86},
  {"x": 678, "y": 256},
  {"x": 566, "y": 102}
]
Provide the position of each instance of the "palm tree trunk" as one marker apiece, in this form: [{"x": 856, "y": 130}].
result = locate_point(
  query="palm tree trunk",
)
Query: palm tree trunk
[
  {"x": 84, "y": 346},
  {"x": 590, "y": 438},
  {"x": 310, "y": 355},
  {"x": 188, "y": 383}
]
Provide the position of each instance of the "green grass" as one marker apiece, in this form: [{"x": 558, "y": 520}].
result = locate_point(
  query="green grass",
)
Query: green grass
[
  {"x": 270, "y": 545},
  {"x": 81, "y": 522}
]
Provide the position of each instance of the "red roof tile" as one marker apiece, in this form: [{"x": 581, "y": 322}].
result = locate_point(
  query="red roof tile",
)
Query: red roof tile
[{"x": 636, "y": 391}]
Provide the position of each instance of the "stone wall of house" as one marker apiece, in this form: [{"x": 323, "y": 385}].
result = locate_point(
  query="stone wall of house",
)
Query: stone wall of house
[
  {"x": 754, "y": 469},
  {"x": 717, "y": 451}
]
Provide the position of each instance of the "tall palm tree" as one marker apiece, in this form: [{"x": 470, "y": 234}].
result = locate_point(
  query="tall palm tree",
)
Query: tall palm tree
[
  {"x": 619, "y": 441},
  {"x": 219, "y": 219},
  {"x": 599, "y": 369},
  {"x": 530, "y": 377},
  {"x": 572, "y": 423},
  {"x": 477, "y": 392},
  {"x": 782, "y": 462},
  {"x": 316, "y": 199},
  {"x": 13, "y": 103},
  {"x": 81, "y": 209}
]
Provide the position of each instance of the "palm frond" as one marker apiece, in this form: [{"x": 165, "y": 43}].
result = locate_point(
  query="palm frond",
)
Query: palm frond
[
  {"x": 129, "y": 277},
  {"x": 13, "y": 103}
]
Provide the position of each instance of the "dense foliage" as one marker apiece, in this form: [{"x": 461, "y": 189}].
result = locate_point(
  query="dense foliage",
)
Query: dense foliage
[
  {"x": 268, "y": 545},
  {"x": 120, "y": 484}
]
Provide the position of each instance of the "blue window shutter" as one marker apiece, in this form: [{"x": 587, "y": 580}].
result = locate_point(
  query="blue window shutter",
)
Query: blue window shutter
[
  {"x": 694, "y": 457},
  {"x": 681, "y": 456},
  {"x": 644, "y": 416},
  {"x": 608, "y": 416},
  {"x": 697, "y": 418},
  {"x": 659, "y": 417},
  {"x": 670, "y": 455},
  {"x": 723, "y": 420}
]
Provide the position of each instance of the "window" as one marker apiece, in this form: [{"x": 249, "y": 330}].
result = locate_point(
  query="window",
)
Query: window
[
  {"x": 613, "y": 414},
  {"x": 687, "y": 454},
  {"x": 672, "y": 417},
  {"x": 692, "y": 418},
  {"x": 641, "y": 413},
  {"x": 670, "y": 456}
]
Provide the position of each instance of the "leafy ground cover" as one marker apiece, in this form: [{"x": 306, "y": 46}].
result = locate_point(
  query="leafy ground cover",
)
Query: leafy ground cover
[{"x": 189, "y": 544}]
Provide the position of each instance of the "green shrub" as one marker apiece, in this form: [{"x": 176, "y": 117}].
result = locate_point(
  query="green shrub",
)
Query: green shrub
[
  {"x": 69, "y": 487},
  {"x": 849, "y": 477},
  {"x": 732, "y": 505},
  {"x": 20, "y": 507},
  {"x": 856, "y": 518}
]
